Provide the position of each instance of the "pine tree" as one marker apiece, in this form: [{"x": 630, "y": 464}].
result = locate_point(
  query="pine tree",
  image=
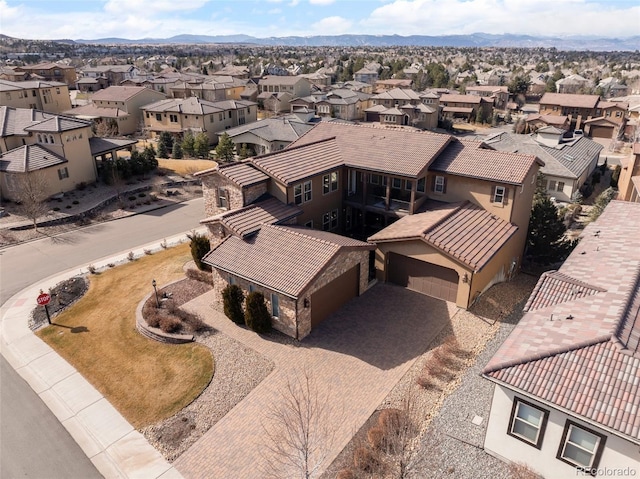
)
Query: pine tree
[
  {"x": 176, "y": 152},
  {"x": 225, "y": 148},
  {"x": 546, "y": 242}
]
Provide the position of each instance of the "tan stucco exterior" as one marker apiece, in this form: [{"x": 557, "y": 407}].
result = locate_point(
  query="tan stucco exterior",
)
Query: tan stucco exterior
[{"x": 52, "y": 99}]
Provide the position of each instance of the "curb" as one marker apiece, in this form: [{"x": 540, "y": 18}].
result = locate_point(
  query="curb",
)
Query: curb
[{"x": 110, "y": 442}]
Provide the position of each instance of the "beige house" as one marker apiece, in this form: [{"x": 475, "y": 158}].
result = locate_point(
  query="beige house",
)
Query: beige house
[
  {"x": 120, "y": 106},
  {"x": 214, "y": 88},
  {"x": 50, "y": 72},
  {"x": 52, "y": 97},
  {"x": 276, "y": 92},
  {"x": 55, "y": 146},
  {"x": 177, "y": 116},
  {"x": 339, "y": 103},
  {"x": 629, "y": 181},
  {"x": 449, "y": 217},
  {"x": 499, "y": 94}
]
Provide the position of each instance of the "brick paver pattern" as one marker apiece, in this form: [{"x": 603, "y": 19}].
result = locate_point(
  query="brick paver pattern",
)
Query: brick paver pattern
[{"x": 355, "y": 357}]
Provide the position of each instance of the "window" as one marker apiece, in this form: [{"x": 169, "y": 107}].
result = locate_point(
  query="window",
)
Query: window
[
  {"x": 499, "y": 194},
  {"x": 231, "y": 280},
  {"x": 63, "y": 173},
  {"x": 222, "y": 198},
  {"x": 173, "y": 118},
  {"x": 252, "y": 288},
  {"x": 396, "y": 183},
  {"x": 330, "y": 220},
  {"x": 439, "y": 185},
  {"x": 210, "y": 118},
  {"x": 302, "y": 193},
  {"x": 408, "y": 184},
  {"x": 330, "y": 183},
  {"x": 275, "y": 305},
  {"x": 221, "y": 116},
  {"x": 309, "y": 224},
  {"x": 560, "y": 186},
  {"x": 551, "y": 185},
  {"x": 420, "y": 186},
  {"x": 527, "y": 422},
  {"x": 581, "y": 447},
  {"x": 158, "y": 117}
]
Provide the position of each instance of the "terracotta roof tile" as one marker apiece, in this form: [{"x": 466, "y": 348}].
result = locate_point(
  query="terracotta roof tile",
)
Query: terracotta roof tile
[
  {"x": 583, "y": 350},
  {"x": 466, "y": 158},
  {"x": 248, "y": 220},
  {"x": 283, "y": 258},
  {"x": 570, "y": 100},
  {"x": 120, "y": 93},
  {"x": 465, "y": 231},
  {"x": 241, "y": 173},
  {"x": 29, "y": 158},
  {"x": 455, "y": 98}
]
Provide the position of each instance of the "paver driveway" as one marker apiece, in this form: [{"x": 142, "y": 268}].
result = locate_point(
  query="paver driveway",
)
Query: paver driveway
[{"x": 356, "y": 356}]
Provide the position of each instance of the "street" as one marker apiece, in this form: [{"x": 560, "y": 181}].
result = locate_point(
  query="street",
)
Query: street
[{"x": 33, "y": 444}]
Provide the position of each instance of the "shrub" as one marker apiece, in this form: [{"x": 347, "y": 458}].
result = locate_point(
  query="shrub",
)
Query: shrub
[
  {"x": 141, "y": 195},
  {"x": 148, "y": 252},
  {"x": 437, "y": 369},
  {"x": 595, "y": 177},
  {"x": 366, "y": 460},
  {"x": 586, "y": 190},
  {"x": 131, "y": 256},
  {"x": 56, "y": 209},
  {"x": 92, "y": 269},
  {"x": 615, "y": 176},
  {"x": 346, "y": 474},
  {"x": 163, "y": 244},
  {"x": 522, "y": 471},
  {"x": 132, "y": 198},
  {"x": 375, "y": 437},
  {"x": 232, "y": 298},
  {"x": 201, "y": 276},
  {"x": 75, "y": 202},
  {"x": 81, "y": 186},
  {"x": 257, "y": 316},
  {"x": 200, "y": 246},
  {"x": 427, "y": 382},
  {"x": 170, "y": 324}
]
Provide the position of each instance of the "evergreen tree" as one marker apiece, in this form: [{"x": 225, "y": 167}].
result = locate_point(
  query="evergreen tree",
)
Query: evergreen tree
[
  {"x": 225, "y": 148},
  {"x": 188, "y": 144},
  {"x": 201, "y": 145},
  {"x": 176, "y": 152},
  {"x": 546, "y": 242},
  {"x": 162, "y": 150},
  {"x": 257, "y": 316}
]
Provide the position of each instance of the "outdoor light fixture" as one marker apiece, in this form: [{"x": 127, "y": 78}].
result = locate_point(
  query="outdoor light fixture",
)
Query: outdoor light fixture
[
  {"x": 153, "y": 283},
  {"x": 306, "y": 302},
  {"x": 465, "y": 278}
]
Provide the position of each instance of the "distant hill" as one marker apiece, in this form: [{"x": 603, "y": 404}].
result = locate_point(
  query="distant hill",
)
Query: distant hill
[{"x": 473, "y": 40}]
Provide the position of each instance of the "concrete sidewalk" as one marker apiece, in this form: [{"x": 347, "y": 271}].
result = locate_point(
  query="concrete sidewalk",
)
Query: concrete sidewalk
[{"x": 115, "y": 448}]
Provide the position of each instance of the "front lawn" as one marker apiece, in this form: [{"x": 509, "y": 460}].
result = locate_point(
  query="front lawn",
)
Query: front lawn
[
  {"x": 145, "y": 380},
  {"x": 185, "y": 167}
]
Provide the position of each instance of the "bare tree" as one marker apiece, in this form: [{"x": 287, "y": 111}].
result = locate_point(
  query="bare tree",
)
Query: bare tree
[
  {"x": 30, "y": 191},
  {"x": 297, "y": 425}
]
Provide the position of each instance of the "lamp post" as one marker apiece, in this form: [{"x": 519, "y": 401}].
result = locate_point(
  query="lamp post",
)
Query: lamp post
[{"x": 153, "y": 282}]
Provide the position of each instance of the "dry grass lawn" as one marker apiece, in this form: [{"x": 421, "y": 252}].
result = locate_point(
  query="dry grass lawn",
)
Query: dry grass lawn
[
  {"x": 145, "y": 380},
  {"x": 185, "y": 167}
]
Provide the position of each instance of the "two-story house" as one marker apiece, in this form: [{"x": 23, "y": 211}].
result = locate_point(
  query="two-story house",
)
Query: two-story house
[
  {"x": 449, "y": 218},
  {"x": 404, "y": 107},
  {"x": 368, "y": 74},
  {"x": 113, "y": 74},
  {"x": 276, "y": 92},
  {"x": 578, "y": 108},
  {"x": 565, "y": 381},
  {"x": 339, "y": 103},
  {"x": 118, "y": 106},
  {"x": 52, "y": 97},
  {"x": 499, "y": 94},
  {"x": 464, "y": 107},
  {"x": 178, "y": 116},
  {"x": 214, "y": 88},
  {"x": 50, "y": 72}
]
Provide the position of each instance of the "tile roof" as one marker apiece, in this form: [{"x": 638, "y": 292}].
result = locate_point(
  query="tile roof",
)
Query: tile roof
[
  {"x": 280, "y": 80},
  {"x": 21, "y": 121},
  {"x": 580, "y": 351},
  {"x": 466, "y": 158},
  {"x": 102, "y": 145},
  {"x": 29, "y": 158},
  {"x": 397, "y": 94},
  {"x": 195, "y": 106},
  {"x": 455, "y": 98},
  {"x": 282, "y": 258},
  {"x": 120, "y": 93},
  {"x": 554, "y": 120},
  {"x": 570, "y": 100},
  {"x": 248, "y": 220},
  {"x": 400, "y": 152},
  {"x": 242, "y": 173},
  {"x": 464, "y": 231},
  {"x": 92, "y": 111},
  {"x": 300, "y": 162},
  {"x": 287, "y": 129}
]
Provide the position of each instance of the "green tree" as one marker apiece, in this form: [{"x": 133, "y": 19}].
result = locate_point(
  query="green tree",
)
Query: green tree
[
  {"x": 176, "y": 152},
  {"x": 225, "y": 148},
  {"x": 199, "y": 246},
  {"x": 201, "y": 145},
  {"x": 244, "y": 152},
  {"x": 256, "y": 315},
  {"x": 162, "y": 150},
  {"x": 601, "y": 202},
  {"x": 519, "y": 85},
  {"x": 188, "y": 144},
  {"x": 479, "y": 115},
  {"x": 232, "y": 298},
  {"x": 546, "y": 241}
]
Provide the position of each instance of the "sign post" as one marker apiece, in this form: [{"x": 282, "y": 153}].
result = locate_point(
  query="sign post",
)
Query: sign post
[{"x": 42, "y": 300}]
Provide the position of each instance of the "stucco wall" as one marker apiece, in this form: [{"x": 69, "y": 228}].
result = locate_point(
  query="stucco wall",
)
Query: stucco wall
[{"x": 618, "y": 453}]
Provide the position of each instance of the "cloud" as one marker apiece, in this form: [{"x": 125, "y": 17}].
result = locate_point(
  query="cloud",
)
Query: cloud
[
  {"x": 274, "y": 11},
  {"x": 321, "y": 2},
  {"x": 331, "y": 26},
  {"x": 294, "y": 3},
  {"x": 539, "y": 17},
  {"x": 152, "y": 7}
]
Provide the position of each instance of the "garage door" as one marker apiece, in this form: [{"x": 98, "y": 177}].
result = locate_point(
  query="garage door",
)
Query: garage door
[
  {"x": 331, "y": 296},
  {"x": 426, "y": 278},
  {"x": 601, "y": 132}
]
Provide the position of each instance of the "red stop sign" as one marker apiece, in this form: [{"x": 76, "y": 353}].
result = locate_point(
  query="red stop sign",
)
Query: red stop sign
[{"x": 43, "y": 299}]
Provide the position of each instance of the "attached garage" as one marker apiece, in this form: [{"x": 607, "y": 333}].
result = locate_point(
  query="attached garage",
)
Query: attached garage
[
  {"x": 332, "y": 296},
  {"x": 427, "y": 278},
  {"x": 601, "y": 131}
]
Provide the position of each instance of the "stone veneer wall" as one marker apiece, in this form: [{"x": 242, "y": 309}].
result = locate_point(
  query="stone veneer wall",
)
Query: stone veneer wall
[
  {"x": 236, "y": 197},
  {"x": 290, "y": 309}
]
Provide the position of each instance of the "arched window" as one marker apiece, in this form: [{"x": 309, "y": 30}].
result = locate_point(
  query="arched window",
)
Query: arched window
[
  {"x": 46, "y": 140},
  {"x": 50, "y": 138},
  {"x": 39, "y": 138}
]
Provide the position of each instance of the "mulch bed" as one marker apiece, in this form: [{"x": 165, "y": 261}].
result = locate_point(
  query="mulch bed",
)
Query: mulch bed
[{"x": 63, "y": 295}]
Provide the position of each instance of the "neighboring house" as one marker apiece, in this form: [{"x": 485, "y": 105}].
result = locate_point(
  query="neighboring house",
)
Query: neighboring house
[
  {"x": 612, "y": 87},
  {"x": 56, "y": 146},
  {"x": 52, "y": 97},
  {"x": 212, "y": 89},
  {"x": 383, "y": 85},
  {"x": 499, "y": 94},
  {"x": 573, "y": 84},
  {"x": 629, "y": 181},
  {"x": 119, "y": 106},
  {"x": 91, "y": 84},
  {"x": 535, "y": 121},
  {"x": 340, "y": 103},
  {"x": 368, "y": 73},
  {"x": 178, "y": 116},
  {"x": 363, "y": 181},
  {"x": 236, "y": 71},
  {"x": 464, "y": 107},
  {"x": 566, "y": 396},
  {"x": 10, "y": 73},
  {"x": 114, "y": 74},
  {"x": 276, "y": 92},
  {"x": 568, "y": 162},
  {"x": 271, "y": 134},
  {"x": 321, "y": 80},
  {"x": 404, "y": 107},
  {"x": 50, "y": 72}
]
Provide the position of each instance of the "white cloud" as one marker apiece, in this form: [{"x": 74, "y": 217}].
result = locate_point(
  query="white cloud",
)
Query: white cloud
[
  {"x": 321, "y": 2},
  {"x": 274, "y": 11},
  {"x": 294, "y": 3},
  {"x": 152, "y": 7},
  {"x": 331, "y": 26},
  {"x": 539, "y": 17}
]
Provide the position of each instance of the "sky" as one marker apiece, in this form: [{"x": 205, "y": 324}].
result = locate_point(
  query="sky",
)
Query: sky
[{"x": 134, "y": 19}]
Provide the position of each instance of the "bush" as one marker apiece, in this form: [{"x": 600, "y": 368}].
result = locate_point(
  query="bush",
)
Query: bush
[
  {"x": 201, "y": 276},
  {"x": 366, "y": 460},
  {"x": 375, "y": 437},
  {"x": 586, "y": 190},
  {"x": 615, "y": 176},
  {"x": 257, "y": 316},
  {"x": 346, "y": 474},
  {"x": 170, "y": 324},
  {"x": 595, "y": 177},
  {"x": 200, "y": 246},
  {"x": 81, "y": 186},
  {"x": 232, "y": 298}
]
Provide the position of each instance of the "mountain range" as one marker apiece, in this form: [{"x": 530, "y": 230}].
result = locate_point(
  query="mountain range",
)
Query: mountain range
[{"x": 472, "y": 40}]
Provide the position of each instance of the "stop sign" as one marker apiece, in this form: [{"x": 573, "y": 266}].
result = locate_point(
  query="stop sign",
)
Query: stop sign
[{"x": 43, "y": 299}]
